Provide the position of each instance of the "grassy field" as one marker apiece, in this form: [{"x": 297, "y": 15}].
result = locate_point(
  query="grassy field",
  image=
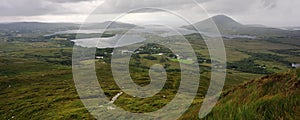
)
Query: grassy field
[
  {"x": 271, "y": 97},
  {"x": 36, "y": 80}
]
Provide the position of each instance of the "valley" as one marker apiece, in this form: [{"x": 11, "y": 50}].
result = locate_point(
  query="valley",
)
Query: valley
[{"x": 36, "y": 78}]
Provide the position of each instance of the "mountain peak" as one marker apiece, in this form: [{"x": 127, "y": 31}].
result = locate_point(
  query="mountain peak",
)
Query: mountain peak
[
  {"x": 224, "y": 20},
  {"x": 221, "y": 17},
  {"x": 228, "y": 26},
  {"x": 224, "y": 23}
]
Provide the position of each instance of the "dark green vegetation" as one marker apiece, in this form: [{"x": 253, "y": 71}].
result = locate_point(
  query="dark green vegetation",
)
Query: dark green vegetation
[
  {"x": 249, "y": 65},
  {"x": 36, "y": 77}
]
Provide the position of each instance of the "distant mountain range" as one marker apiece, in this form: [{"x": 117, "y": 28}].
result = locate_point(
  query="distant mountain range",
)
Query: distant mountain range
[
  {"x": 108, "y": 24},
  {"x": 228, "y": 26},
  {"x": 32, "y": 27},
  {"x": 291, "y": 28},
  {"x": 225, "y": 24},
  {"x": 29, "y": 27}
]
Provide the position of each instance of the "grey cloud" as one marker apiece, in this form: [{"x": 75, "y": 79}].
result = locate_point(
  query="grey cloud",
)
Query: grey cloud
[
  {"x": 269, "y": 12},
  {"x": 69, "y": 1},
  {"x": 57, "y": 7},
  {"x": 269, "y": 3},
  {"x": 25, "y": 7},
  {"x": 120, "y": 6},
  {"x": 37, "y": 7},
  {"x": 229, "y": 6},
  {"x": 238, "y": 7},
  {"x": 213, "y": 6}
]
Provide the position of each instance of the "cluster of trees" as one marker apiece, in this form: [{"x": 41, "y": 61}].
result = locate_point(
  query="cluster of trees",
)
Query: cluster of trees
[
  {"x": 106, "y": 53},
  {"x": 293, "y": 52},
  {"x": 249, "y": 66},
  {"x": 267, "y": 57},
  {"x": 149, "y": 57},
  {"x": 153, "y": 48},
  {"x": 27, "y": 39}
]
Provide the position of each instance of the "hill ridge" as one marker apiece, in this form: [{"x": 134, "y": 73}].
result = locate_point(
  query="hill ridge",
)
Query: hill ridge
[{"x": 271, "y": 97}]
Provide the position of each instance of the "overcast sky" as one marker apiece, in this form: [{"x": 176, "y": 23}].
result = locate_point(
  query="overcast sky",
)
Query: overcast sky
[{"x": 276, "y": 13}]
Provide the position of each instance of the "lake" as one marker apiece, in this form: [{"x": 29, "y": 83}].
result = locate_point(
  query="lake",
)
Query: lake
[{"x": 135, "y": 36}]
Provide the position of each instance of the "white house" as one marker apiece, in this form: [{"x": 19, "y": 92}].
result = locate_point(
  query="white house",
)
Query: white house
[
  {"x": 189, "y": 59},
  {"x": 99, "y": 57},
  {"x": 295, "y": 65},
  {"x": 126, "y": 51},
  {"x": 178, "y": 56}
]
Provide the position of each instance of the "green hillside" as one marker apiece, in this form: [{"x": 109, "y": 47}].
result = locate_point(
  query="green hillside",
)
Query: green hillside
[
  {"x": 36, "y": 79},
  {"x": 270, "y": 97}
]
